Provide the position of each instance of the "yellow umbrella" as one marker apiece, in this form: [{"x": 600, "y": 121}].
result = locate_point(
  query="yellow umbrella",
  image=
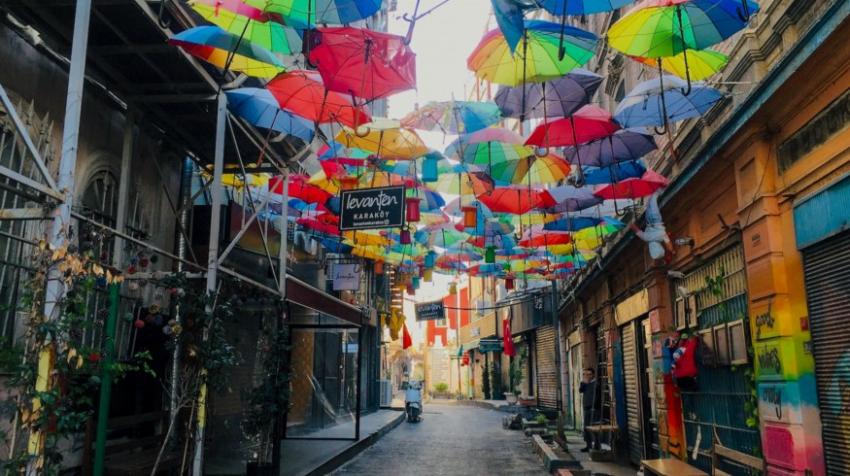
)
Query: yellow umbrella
[
  {"x": 365, "y": 238},
  {"x": 387, "y": 143},
  {"x": 702, "y": 64}
]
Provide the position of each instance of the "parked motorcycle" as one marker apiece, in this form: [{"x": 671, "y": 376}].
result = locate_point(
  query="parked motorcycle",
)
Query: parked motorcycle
[{"x": 413, "y": 401}]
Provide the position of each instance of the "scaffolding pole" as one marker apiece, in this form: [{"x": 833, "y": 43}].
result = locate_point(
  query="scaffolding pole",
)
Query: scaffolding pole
[
  {"x": 59, "y": 231},
  {"x": 212, "y": 268}
]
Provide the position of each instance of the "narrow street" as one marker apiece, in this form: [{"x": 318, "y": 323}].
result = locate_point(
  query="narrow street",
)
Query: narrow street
[{"x": 451, "y": 439}]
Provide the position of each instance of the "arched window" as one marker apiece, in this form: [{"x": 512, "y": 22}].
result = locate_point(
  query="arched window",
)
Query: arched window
[{"x": 99, "y": 201}]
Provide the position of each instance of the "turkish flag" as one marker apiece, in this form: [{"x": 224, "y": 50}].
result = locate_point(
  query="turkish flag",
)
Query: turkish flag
[
  {"x": 508, "y": 338},
  {"x": 406, "y": 340}
]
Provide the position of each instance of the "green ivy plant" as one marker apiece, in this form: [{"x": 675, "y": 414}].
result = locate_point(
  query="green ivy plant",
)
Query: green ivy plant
[{"x": 515, "y": 372}]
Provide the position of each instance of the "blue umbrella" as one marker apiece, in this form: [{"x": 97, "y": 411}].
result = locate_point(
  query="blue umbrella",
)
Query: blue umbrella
[
  {"x": 571, "y": 224},
  {"x": 662, "y": 100},
  {"x": 334, "y": 246},
  {"x": 613, "y": 173},
  {"x": 581, "y": 7},
  {"x": 509, "y": 16},
  {"x": 620, "y": 146},
  {"x": 261, "y": 109},
  {"x": 557, "y": 98}
]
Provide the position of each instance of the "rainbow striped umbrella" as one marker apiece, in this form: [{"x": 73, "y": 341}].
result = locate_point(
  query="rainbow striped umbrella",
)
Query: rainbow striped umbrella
[{"x": 227, "y": 51}]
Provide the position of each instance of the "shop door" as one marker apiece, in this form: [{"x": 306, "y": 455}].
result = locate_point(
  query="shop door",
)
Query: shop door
[
  {"x": 631, "y": 373},
  {"x": 827, "y": 275},
  {"x": 547, "y": 370}
]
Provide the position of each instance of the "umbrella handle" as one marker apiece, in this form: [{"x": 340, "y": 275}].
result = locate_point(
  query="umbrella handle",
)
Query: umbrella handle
[
  {"x": 562, "y": 51},
  {"x": 744, "y": 11},
  {"x": 160, "y": 16},
  {"x": 411, "y": 23},
  {"x": 684, "y": 54}
]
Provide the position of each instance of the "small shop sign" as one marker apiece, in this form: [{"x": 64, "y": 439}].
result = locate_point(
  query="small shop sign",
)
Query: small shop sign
[
  {"x": 429, "y": 311},
  {"x": 346, "y": 277},
  {"x": 372, "y": 208},
  {"x": 490, "y": 345}
]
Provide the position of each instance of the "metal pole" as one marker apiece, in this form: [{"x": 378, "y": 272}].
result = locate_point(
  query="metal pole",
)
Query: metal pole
[
  {"x": 212, "y": 268},
  {"x": 279, "y": 421},
  {"x": 106, "y": 379},
  {"x": 359, "y": 379},
  {"x": 59, "y": 232},
  {"x": 124, "y": 187},
  {"x": 183, "y": 218}
]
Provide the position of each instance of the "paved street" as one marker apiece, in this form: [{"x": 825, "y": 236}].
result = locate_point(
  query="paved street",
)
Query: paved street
[{"x": 451, "y": 439}]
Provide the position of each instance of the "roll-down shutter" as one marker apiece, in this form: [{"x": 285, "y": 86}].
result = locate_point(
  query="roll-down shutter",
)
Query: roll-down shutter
[
  {"x": 630, "y": 370},
  {"x": 827, "y": 276},
  {"x": 547, "y": 371}
]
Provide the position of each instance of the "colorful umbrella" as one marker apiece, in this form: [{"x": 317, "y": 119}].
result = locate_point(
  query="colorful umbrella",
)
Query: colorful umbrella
[
  {"x": 696, "y": 64},
  {"x": 617, "y": 147},
  {"x": 392, "y": 143},
  {"x": 461, "y": 179},
  {"x": 261, "y": 109},
  {"x": 453, "y": 117},
  {"x": 299, "y": 188},
  {"x": 531, "y": 170},
  {"x": 250, "y": 23},
  {"x": 321, "y": 227},
  {"x": 303, "y": 93},
  {"x": 613, "y": 173},
  {"x": 488, "y": 146},
  {"x": 363, "y": 63},
  {"x": 581, "y": 7},
  {"x": 665, "y": 99},
  {"x": 568, "y": 198},
  {"x": 587, "y": 124},
  {"x": 494, "y": 61},
  {"x": 487, "y": 228},
  {"x": 227, "y": 51},
  {"x": 510, "y": 16},
  {"x": 557, "y": 98},
  {"x": 443, "y": 237},
  {"x": 634, "y": 187},
  {"x": 303, "y": 14},
  {"x": 516, "y": 200},
  {"x": 545, "y": 238}
]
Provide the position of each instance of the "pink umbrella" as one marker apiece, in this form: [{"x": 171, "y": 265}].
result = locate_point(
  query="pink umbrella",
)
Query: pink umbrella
[
  {"x": 644, "y": 186},
  {"x": 516, "y": 200},
  {"x": 587, "y": 124}
]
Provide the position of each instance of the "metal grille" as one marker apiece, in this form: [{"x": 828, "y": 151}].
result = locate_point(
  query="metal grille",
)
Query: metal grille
[
  {"x": 828, "y": 288},
  {"x": 547, "y": 371},
  {"x": 633, "y": 418}
]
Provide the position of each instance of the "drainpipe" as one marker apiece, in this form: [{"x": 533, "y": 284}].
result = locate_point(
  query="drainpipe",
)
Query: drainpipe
[
  {"x": 106, "y": 379},
  {"x": 182, "y": 246}
]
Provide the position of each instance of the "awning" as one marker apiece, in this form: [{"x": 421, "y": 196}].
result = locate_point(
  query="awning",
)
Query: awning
[{"x": 303, "y": 294}]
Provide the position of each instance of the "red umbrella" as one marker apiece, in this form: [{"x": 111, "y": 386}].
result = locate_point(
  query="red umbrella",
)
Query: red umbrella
[
  {"x": 547, "y": 238},
  {"x": 516, "y": 199},
  {"x": 634, "y": 187},
  {"x": 328, "y": 219},
  {"x": 363, "y": 63},
  {"x": 303, "y": 93},
  {"x": 587, "y": 124},
  {"x": 316, "y": 225},
  {"x": 299, "y": 188}
]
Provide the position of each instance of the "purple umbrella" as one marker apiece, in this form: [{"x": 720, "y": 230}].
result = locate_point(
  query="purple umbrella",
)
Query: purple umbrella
[
  {"x": 557, "y": 98},
  {"x": 621, "y": 146},
  {"x": 571, "y": 199}
]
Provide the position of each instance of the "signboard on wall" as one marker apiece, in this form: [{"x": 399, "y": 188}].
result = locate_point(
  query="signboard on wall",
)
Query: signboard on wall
[
  {"x": 490, "y": 345},
  {"x": 429, "y": 311},
  {"x": 371, "y": 208},
  {"x": 345, "y": 277}
]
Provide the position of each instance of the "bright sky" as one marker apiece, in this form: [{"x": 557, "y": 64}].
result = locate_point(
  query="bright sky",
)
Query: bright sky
[{"x": 442, "y": 41}]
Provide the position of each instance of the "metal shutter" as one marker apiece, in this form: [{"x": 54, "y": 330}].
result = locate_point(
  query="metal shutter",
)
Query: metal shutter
[
  {"x": 630, "y": 361},
  {"x": 828, "y": 288},
  {"x": 547, "y": 371}
]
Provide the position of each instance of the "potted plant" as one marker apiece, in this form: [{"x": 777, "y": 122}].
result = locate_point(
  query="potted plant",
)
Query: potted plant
[{"x": 515, "y": 377}]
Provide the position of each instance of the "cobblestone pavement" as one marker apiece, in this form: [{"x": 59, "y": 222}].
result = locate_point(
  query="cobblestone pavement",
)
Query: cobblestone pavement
[{"x": 451, "y": 439}]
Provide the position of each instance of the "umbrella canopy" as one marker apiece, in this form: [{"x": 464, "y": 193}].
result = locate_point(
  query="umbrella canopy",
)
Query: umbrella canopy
[
  {"x": 537, "y": 54},
  {"x": 303, "y": 93},
  {"x": 634, "y": 187},
  {"x": 319, "y": 226},
  {"x": 261, "y": 109},
  {"x": 488, "y": 147},
  {"x": 617, "y": 147},
  {"x": 695, "y": 64},
  {"x": 569, "y": 199},
  {"x": 581, "y": 7},
  {"x": 250, "y": 23},
  {"x": 661, "y": 100},
  {"x": 587, "y": 124},
  {"x": 394, "y": 143},
  {"x": 662, "y": 28},
  {"x": 516, "y": 199},
  {"x": 510, "y": 16},
  {"x": 453, "y": 117},
  {"x": 443, "y": 237},
  {"x": 613, "y": 173},
  {"x": 545, "y": 238},
  {"x": 556, "y": 98},
  {"x": 299, "y": 188},
  {"x": 531, "y": 170},
  {"x": 225, "y": 50},
  {"x": 363, "y": 63},
  {"x": 487, "y": 228},
  {"x": 303, "y": 14},
  {"x": 572, "y": 223},
  {"x": 459, "y": 179}
]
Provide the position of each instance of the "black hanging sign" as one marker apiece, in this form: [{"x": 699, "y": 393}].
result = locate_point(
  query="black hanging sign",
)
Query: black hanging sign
[
  {"x": 429, "y": 311},
  {"x": 372, "y": 208}
]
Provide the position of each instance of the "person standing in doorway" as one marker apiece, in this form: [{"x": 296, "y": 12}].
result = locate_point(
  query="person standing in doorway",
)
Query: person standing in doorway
[{"x": 591, "y": 397}]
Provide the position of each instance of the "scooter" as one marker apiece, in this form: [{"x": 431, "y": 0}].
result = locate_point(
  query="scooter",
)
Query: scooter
[{"x": 413, "y": 401}]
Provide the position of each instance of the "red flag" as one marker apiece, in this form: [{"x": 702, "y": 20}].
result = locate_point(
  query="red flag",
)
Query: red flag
[
  {"x": 509, "y": 340},
  {"x": 406, "y": 340}
]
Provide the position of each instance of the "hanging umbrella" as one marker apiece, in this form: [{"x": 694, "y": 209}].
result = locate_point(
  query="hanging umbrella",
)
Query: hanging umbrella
[
  {"x": 227, "y": 51},
  {"x": 443, "y": 237},
  {"x": 516, "y": 199},
  {"x": 661, "y": 100},
  {"x": 316, "y": 225},
  {"x": 393, "y": 143},
  {"x": 510, "y": 16},
  {"x": 455, "y": 208},
  {"x": 299, "y": 188},
  {"x": 587, "y": 124},
  {"x": 501, "y": 242},
  {"x": 568, "y": 198},
  {"x": 531, "y": 170},
  {"x": 250, "y": 23},
  {"x": 634, "y": 187},
  {"x": 537, "y": 58},
  {"x": 303, "y": 14},
  {"x": 453, "y": 117},
  {"x": 556, "y": 98},
  {"x": 362, "y": 63},
  {"x": 620, "y": 146},
  {"x": 335, "y": 246},
  {"x": 261, "y": 109},
  {"x": 303, "y": 93},
  {"x": 613, "y": 173},
  {"x": 571, "y": 224},
  {"x": 487, "y": 228},
  {"x": 488, "y": 146},
  {"x": 696, "y": 64},
  {"x": 458, "y": 179},
  {"x": 581, "y": 7},
  {"x": 545, "y": 238}
]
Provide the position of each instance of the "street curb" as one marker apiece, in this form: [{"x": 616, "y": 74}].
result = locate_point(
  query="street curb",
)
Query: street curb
[
  {"x": 487, "y": 405},
  {"x": 347, "y": 454}
]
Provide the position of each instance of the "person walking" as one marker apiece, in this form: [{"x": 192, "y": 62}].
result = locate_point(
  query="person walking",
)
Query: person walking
[{"x": 591, "y": 401}]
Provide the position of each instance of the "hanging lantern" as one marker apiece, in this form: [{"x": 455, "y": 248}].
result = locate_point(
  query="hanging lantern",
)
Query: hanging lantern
[
  {"x": 379, "y": 267},
  {"x": 405, "y": 237},
  {"x": 470, "y": 216},
  {"x": 509, "y": 283},
  {"x": 429, "y": 259},
  {"x": 421, "y": 271},
  {"x": 429, "y": 169},
  {"x": 412, "y": 208},
  {"x": 410, "y": 289},
  {"x": 490, "y": 254},
  {"x": 416, "y": 282},
  {"x": 427, "y": 275},
  {"x": 348, "y": 183},
  {"x": 452, "y": 288}
]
